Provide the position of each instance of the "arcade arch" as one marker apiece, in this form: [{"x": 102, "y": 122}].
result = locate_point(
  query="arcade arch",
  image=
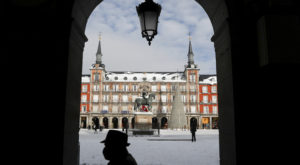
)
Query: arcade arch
[{"x": 218, "y": 14}]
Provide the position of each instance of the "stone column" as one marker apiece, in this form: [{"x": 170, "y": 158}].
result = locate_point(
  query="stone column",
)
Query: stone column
[{"x": 110, "y": 124}]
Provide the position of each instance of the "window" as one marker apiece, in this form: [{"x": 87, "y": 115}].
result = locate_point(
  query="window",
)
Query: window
[
  {"x": 83, "y": 98},
  {"x": 134, "y": 88},
  {"x": 124, "y": 108},
  {"x": 83, "y": 108},
  {"x": 154, "y": 78},
  {"x": 192, "y": 88},
  {"x": 134, "y": 78},
  {"x": 105, "y": 108},
  {"x": 163, "y": 88},
  {"x": 205, "y": 99},
  {"x": 115, "y": 98},
  {"x": 214, "y": 99},
  {"x": 96, "y": 88},
  {"x": 193, "y": 98},
  {"x": 144, "y": 78},
  {"x": 163, "y": 98},
  {"x": 95, "y": 108},
  {"x": 115, "y": 87},
  {"x": 125, "y": 88},
  {"x": 204, "y": 89},
  {"x": 114, "y": 109},
  {"x": 153, "y": 88},
  {"x": 206, "y": 110},
  {"x": 182, "y": 88},
  {"x": 163, "y": 78},
  {"x": 96, "y": 77},
  {"x": 192, "y": 78},
  {"x": 134, "y": 97},
  {"x": 164, "y": 109},
  {"x": 214, "y": 89},
  {"x": 84, "y": 88},
  {"x": 106, "y": 98},
  {"x": 95, "y": 98},
  {"x": 106, "y": 87},
  {"x": 183, "y": 98},
  {"x": 173, "y": 88},
  {"x": 125, "y": 98},
  {"x": 116, "y": 78},
  {"x": 215, "y": 110},
  {"x": 125, "y": 78},
  {"x": 184, "y": 109},
  {"x": 193, "y": 109}
]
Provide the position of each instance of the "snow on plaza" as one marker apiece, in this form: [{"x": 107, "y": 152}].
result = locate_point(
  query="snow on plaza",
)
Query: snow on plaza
[{"x": 172, "y": 147}]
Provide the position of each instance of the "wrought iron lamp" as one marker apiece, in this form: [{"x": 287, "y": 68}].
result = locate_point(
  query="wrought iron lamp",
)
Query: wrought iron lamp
[{"x": 148, "y": 13}]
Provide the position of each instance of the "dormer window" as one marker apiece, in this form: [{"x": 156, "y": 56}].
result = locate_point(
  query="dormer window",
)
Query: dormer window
[
  {"x": 116, "y": 78},
  {"x": 144, "y": 79},
  {"x": 134, "y": 78},
  {"x": 125, "y": 78},
  {"x": 154, "y": 78},
  {"x": 163, "y": 78}
]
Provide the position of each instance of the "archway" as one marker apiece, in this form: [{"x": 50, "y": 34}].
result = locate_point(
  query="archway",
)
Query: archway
[
  {"x": 132, "y": 123},
  {"x": 217, "y": 12},
  {"x": 164, "y": 123},
  {"x": 105, "y": 122},
  {"x": 115, "y": 122},
  {"x": 154, "y": 123},
  {"x": 95, "y": 122},
  {"x": 124, "y": 122},
  {"x": 83, "y": 122}
]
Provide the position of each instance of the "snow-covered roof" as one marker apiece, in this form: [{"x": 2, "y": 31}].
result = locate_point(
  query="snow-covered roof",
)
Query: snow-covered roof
[
  {"x": 209, "y": 80},
  {"x": 145, "y": 76},
  {"x": 85, "y": 79}
]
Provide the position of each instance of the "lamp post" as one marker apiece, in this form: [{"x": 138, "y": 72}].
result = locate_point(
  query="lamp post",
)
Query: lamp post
[{"x": 148, "y": 13}]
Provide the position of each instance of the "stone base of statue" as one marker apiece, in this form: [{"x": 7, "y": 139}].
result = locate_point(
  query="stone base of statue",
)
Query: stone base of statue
[{"x": 143, "y": 123}]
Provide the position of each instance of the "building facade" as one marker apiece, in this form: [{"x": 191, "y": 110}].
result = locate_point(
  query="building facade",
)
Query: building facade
[{"x": 107, "y": 98}]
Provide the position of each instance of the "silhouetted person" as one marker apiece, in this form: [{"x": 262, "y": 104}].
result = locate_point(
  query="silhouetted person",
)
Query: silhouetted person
[
  {"x": 115, "y": 149},
  {"x": 193, "y": 130}
]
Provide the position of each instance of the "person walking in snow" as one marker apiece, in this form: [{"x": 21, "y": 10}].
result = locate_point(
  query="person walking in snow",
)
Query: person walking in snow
[
  {"x": 115, "y": 149},
  {"x": 193, "y": 131}
]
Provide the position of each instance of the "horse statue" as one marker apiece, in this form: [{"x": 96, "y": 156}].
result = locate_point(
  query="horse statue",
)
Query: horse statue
[{"x": 144, "y": 101}]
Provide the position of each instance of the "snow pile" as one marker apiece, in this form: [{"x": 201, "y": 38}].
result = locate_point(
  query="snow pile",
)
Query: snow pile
[{"x": 154, "y": 151}]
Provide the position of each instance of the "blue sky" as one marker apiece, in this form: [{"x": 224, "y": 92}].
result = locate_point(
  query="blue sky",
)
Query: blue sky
[{"x": 124, "y": 49}]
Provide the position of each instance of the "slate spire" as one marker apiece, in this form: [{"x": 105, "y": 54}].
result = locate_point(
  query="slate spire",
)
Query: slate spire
[
  {"x": 99, "y": 53},
  {"x": 190, "y": 53}
]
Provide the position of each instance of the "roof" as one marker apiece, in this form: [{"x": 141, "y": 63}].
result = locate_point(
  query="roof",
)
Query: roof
[{"x": 145, "y": 76}]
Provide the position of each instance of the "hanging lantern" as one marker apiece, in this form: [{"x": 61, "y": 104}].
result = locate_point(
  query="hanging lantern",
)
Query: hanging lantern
[{"x": 148, "y": 13}]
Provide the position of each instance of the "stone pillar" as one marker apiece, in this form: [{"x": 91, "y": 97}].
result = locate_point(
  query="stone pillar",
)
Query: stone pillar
[
  {"x": 110, "y": 124},
  {"x": 210, "y": 122}
]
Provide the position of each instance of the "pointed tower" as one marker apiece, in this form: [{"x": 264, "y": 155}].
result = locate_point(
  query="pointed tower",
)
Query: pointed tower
[
  {"x": 99, "y": 53},
  {"x": 191, "y": 73},
  {"x": 177, "y": 118},
  {"x": 190, "y": 54}
]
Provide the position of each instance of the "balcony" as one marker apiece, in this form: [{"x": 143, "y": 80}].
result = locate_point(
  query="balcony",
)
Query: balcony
[
  {"x": 124, "y": 112},
  {"x": 104, "y": 111}
]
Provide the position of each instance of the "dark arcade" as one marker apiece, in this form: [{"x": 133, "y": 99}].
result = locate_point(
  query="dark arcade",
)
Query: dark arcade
[{"x": 257, "y": 49}]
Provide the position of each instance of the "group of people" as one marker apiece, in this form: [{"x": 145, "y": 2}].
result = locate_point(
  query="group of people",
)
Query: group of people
[{"x": 116, "y": 143}]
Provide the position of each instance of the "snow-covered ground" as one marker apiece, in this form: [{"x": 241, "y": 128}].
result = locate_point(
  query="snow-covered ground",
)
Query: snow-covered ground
[{"x": 170, "y": 148}]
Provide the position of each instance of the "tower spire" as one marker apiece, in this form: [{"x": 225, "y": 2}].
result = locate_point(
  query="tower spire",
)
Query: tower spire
[
  {"x": 190, "y": 53},
  {"x": 99, "y": 53}
]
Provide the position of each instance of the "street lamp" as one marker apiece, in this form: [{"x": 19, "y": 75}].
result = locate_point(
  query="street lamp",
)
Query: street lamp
[{"x": 148, "y": 13}]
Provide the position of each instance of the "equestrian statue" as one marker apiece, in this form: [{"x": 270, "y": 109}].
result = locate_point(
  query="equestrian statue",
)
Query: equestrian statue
[{"x": 144, "y": 102}]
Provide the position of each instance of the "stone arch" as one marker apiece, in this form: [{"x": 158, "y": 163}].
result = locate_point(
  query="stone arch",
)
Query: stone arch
[
  {"x": 105, "y": 122},
  {"x": 164, "y": 123},
  {"x": 218, "y": 14},
  {"x": 115, "y": 122}
]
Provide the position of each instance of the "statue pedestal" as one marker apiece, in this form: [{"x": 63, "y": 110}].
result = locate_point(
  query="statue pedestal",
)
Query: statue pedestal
[{"x": 143, "y": 123}]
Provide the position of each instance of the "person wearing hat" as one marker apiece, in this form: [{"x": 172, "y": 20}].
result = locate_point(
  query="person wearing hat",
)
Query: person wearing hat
[{"x": 115, "y": 149}]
